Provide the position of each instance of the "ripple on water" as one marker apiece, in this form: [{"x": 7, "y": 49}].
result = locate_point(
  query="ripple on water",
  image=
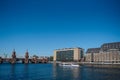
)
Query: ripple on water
[{"x": 54, "y": 72}]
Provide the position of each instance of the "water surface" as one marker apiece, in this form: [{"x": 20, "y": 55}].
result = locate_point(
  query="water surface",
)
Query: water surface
[{"x": 55, "y": 72}]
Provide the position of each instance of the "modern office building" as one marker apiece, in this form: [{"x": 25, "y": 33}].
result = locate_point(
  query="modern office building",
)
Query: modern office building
[
  {"x": 107, "y": 53},
  {"x": 68, "y": 54}
]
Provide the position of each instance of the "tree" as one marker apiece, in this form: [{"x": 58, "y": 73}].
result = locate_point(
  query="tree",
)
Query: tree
[
  {"x": 5, "y": 55},
  {"x": 35, "y": 56},
  {"x": 51, "y": 58}
]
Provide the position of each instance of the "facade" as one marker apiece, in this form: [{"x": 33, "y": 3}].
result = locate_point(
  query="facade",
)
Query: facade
[
  {"x": 68, "y": 54},
  {"x": 92, "y": 54},
  {"x": 107, "y": 53}
]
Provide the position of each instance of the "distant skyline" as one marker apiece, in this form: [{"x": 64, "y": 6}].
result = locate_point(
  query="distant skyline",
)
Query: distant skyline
[{"x": 41, "y": 26}]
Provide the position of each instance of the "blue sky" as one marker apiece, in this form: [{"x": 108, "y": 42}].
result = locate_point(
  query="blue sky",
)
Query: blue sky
[{"x": 44, "y": 25}]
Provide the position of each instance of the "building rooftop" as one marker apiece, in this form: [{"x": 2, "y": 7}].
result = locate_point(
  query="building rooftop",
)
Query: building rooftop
[
  {"x": 114, "y": 45},
  {"x": 68, "y": 48},
  {"x": 93, "y": 50}
]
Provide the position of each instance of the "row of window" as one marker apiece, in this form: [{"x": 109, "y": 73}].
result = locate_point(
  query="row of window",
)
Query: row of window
[
  {"x": 105, "y": 48},
  {"x": 65, "y": 55}
]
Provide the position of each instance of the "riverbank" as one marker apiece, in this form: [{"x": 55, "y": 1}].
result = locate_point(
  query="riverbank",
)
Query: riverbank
[
  {"x": 103, "y": 65},
  {"x": 94, "y": 64},
  {"x": 87, "y": 62}
]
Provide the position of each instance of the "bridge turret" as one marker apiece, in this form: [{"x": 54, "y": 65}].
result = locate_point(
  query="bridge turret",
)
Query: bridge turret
[
  {"x": 14, "y": 54},
  {"x": 13, "y": 60},
  {"x": 26, "y": 57}
]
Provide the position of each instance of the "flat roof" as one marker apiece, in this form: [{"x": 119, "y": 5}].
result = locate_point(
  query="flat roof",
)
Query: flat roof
[{"x": 68, "y": 48}]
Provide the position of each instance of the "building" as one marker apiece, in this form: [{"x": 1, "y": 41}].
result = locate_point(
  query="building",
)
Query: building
[
  {"x": 107, "y": 53},
  {"x": 92, "y": 54},
  {"x": 68, "y": 54}
]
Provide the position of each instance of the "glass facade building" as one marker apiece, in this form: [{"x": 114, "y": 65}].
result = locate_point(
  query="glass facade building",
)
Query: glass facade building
[
  {"x": 68, "y": 54},
  {"x": 65, "y": 55}
]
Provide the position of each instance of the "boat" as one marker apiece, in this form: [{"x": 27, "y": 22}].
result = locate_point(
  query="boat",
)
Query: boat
[{"x": 69, "y": 65}]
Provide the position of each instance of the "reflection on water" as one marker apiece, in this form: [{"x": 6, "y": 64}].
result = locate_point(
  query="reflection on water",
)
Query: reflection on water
[
  {"x": 12, "y": 73},
  {"x": 86, "y": 73},
  {"x": 19, "y": 72},
  {"x": 26, "y": 71},
  {"x": 101, "y": 73},
  {"x": 64, "y": 73},
  {"x": 75, "y": 72},
  {"x": 55, "y": 72}
]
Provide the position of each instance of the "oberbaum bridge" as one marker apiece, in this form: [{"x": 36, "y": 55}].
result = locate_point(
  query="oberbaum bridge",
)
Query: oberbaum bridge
[{"x": 25, "y": 60}]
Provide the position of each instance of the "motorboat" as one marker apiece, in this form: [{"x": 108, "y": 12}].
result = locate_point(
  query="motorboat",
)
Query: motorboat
[{"x": 69, "y": 64}]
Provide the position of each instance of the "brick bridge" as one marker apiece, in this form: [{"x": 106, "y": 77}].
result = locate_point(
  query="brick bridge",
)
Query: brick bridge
[{"x": 23, "y": 60}]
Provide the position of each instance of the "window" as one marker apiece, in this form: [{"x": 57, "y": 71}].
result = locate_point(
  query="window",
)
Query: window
[{"x": 65, "y": 55}]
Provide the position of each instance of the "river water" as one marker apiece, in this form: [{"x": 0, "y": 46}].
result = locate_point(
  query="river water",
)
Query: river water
[{"x": 55, "y": 72}]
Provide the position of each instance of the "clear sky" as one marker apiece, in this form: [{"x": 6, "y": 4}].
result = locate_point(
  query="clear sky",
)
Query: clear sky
[{"x": 44, "y": 25}]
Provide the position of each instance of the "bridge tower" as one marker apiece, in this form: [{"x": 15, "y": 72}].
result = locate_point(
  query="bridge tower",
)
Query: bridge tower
[
  {"x": 26, "y": 57},
  {"x": 13, "y": 60}
]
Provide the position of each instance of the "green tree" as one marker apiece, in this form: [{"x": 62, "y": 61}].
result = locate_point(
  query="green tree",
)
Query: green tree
[
  {"x": 51, "y": 58},
  {"x": 35, "y": 56}
]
